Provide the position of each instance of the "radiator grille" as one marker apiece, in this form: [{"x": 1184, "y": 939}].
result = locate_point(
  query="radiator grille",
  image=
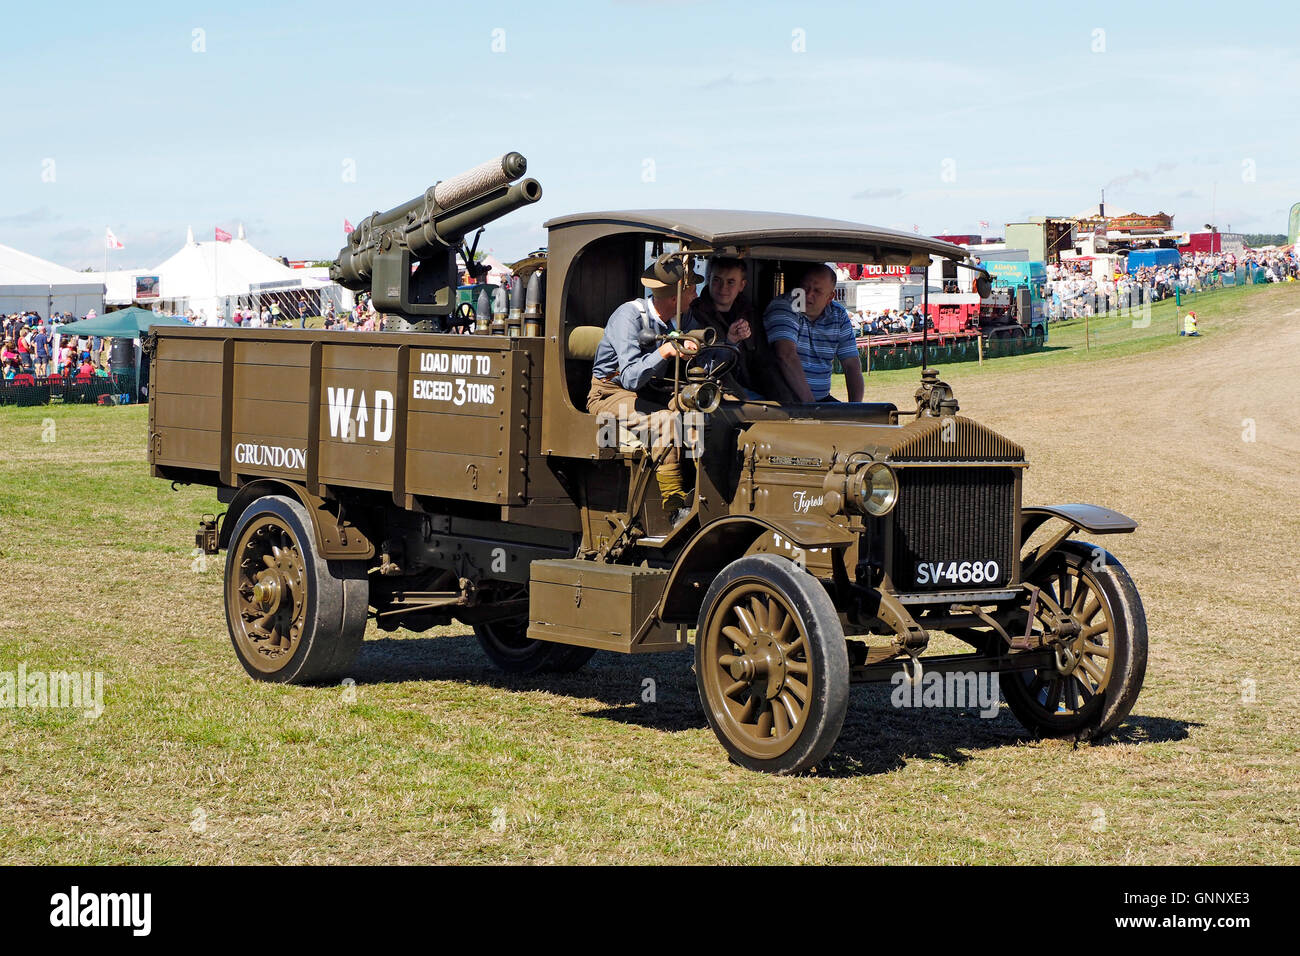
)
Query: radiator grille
[
  {"x": 956, "y": 438},
  {"x": 953, "y": 515}
]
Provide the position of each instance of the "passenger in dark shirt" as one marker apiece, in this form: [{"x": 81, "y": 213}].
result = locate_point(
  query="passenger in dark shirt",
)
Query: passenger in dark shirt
[{"x": 726, "y": 309}]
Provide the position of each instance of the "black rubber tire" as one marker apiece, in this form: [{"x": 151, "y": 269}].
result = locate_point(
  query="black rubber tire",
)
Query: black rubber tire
[
  {"x": 1128, "y": 647},
  {"x": 337, "y": 600},
  {"x": 827, "y": 652},
  {"x": 506, "y": 644}
]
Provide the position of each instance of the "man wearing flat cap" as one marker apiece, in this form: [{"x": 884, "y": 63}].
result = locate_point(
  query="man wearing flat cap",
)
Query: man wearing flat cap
[{"x": 632, "y": 375}]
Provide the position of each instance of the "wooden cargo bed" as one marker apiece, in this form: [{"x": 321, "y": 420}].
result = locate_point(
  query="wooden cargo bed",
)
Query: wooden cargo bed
[{"x": 447, "y": 416}]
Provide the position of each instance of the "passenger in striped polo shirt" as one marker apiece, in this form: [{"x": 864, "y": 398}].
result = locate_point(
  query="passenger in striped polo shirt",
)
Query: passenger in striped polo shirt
[{"x": 807, "y": 341}]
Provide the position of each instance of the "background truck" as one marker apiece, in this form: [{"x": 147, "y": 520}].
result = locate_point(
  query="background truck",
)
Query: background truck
[
  {"x": 417, "y": 477},
  {"x": 1004, "y": 304},
  {"x": 1151, "y": 259}
]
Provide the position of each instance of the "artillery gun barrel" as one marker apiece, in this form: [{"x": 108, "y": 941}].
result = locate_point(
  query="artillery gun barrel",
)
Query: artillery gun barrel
[
  {"x": 435, "y": 221},
  {"x": 449, "y": 193},
  {"x": 452, "y": 226},
  {"x": 479, "y": 180}
]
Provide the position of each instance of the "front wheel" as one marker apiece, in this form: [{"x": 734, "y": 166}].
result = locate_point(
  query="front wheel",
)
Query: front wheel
[
  {"x": 771, "y": 665},
  {"x": 1100, "y": 666}
]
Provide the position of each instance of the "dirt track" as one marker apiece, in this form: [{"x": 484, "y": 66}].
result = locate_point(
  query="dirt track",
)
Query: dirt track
[{"x": 1163, "y": 436}]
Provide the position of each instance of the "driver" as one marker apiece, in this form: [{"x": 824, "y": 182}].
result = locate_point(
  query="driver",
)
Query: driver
[{"x": 628, "y": 378}]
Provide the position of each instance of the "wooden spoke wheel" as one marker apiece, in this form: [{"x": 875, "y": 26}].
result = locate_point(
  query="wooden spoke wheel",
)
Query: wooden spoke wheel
[
  {"x": 507, "y": 645},
  {"x": 771, "y": 665},
  {"x": 293, "y": 616},
  {"x": 1101, "y": 652}
]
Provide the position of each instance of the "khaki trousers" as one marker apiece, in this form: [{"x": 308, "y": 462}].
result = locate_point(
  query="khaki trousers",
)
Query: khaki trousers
[{"x": 642, "y": 422}]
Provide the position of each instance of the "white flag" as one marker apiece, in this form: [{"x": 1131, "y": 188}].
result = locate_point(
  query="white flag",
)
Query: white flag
[{"x": 111, "y": 241}]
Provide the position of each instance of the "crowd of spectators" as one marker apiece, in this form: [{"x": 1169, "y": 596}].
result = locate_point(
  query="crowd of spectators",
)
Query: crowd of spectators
[
  {"x": 887, "y": 321},
  {"x": 33, "y": 346},
  {"x": 271, "y": 315},
  {"x": 361, "y": 318},
  {"x": 1075, "y": 291}
]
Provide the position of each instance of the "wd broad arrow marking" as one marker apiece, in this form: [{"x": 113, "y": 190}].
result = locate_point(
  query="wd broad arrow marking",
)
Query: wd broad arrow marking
[
  {"x": 340, "y": 400},
  {"x": 349, "y": 424},
  {"x": 383, "y": 415}
]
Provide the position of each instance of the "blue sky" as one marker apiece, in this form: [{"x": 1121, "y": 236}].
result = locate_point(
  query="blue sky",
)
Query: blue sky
[{"x": 932, "y": 115}]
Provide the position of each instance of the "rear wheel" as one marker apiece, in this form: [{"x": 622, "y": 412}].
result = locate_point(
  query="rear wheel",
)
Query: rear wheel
[
  {"x": 1100, "y": 667},
  {"x": 293, "y": 616},
  {"x": 507, "y": 645},
  {"x": 771, "y": 665}
]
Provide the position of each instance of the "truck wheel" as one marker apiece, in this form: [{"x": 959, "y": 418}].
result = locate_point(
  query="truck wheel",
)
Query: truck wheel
[
  {"x": 294, "y": 617},
  {"x": 507, "y": 644},
  {"x": 1093, "y": 687},
  {"x": 771, "y": 665}
]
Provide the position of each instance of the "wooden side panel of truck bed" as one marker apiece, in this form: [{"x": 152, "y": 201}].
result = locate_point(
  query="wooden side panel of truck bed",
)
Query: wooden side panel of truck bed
[{"x": 412, "y": 414}]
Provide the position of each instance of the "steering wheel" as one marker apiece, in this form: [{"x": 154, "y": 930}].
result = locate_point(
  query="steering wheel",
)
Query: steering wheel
[{"x": 714, "y": 360}]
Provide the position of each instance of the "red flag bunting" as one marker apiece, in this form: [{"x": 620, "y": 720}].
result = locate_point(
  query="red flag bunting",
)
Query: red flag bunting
[{"x": 222, "y": 235}]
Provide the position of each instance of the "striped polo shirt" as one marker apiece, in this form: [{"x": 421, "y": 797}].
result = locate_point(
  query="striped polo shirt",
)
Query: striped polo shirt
[{"x": 819, "y": 343}]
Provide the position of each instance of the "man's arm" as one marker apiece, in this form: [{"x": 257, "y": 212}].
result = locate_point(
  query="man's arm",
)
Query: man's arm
[
  {"x": 782, "y": 327},
  {"x": 853, "y": 378},
  {"x": 792, "y": 368},
  {"x": 636, "y": 366},
  {"x": 850, "y": 361}
]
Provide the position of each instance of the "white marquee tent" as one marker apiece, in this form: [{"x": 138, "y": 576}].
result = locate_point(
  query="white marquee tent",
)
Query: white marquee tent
[
  {"x": 213, "y": 278},
  {"x": 27, "y": 282}
]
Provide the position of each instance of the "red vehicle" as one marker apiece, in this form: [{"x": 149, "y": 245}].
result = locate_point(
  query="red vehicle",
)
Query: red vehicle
[{"x": 1232, "y": 242}]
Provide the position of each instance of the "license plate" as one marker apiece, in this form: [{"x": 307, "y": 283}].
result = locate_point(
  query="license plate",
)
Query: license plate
[{"x": 957, "y": 573}]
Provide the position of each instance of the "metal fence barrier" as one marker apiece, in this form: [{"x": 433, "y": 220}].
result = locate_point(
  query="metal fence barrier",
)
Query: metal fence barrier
[{"x": 67, "y": 391}]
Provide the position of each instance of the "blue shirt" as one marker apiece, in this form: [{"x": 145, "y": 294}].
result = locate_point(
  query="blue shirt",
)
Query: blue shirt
[
  {"x": 620, "y": 352},
  {"x": 819, "y": 343}
]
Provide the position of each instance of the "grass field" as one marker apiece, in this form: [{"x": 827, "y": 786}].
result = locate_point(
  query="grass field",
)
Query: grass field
[
  {"x": 1108, "y": 337},
  {"x": 433, "y": 756}
]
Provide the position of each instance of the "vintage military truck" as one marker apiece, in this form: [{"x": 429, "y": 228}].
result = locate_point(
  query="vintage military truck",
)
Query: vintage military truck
[{"x": 418, "y": 478}]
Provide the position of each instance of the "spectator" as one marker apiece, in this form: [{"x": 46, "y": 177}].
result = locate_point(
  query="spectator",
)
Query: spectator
[{"x": 43, "y": 346}]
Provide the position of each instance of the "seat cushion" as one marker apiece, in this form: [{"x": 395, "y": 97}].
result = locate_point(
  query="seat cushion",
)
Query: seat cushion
[{"x": 583, "y": 342}]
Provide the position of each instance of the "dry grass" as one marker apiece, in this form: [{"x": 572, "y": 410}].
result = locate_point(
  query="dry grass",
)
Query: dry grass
[{"x": 438, "y": 758}]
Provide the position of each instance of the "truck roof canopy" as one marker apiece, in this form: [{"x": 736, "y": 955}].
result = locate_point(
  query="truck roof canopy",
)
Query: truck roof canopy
[{"x": 773, "y": 234}]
